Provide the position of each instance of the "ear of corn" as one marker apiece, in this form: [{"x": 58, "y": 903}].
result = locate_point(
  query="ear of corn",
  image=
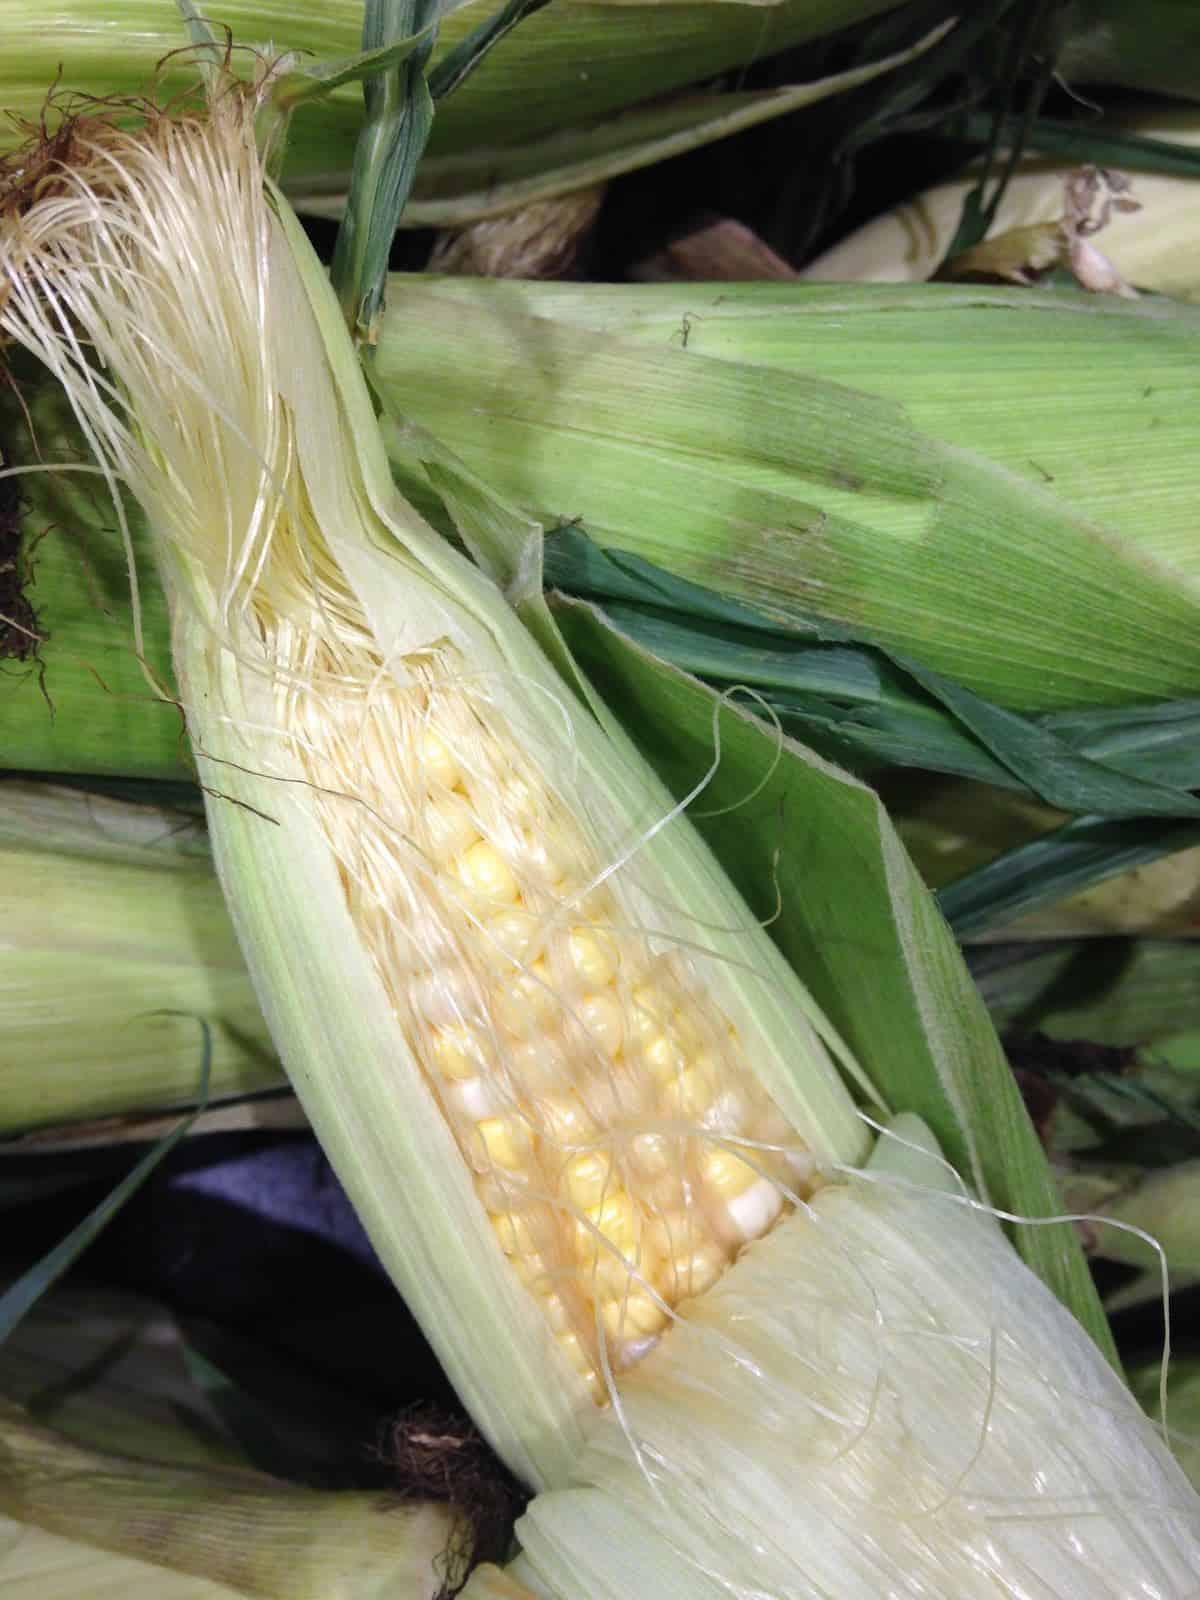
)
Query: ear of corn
[
  {"x": 563, "y": 67},
  {"x": 36, "y": 1565},
  {"x": 504, "y": 875},
  {"x": 437, "y": 858},
  {"x": 925, "y": 477},
  {"x": 119, "y": 946},
  {"x": 236, "y": 1530},
  {"x": 1153, "y": 247}
]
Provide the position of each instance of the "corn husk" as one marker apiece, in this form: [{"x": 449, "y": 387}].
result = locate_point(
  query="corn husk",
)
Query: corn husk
[
  {"x": 1120, "y": 992},
  {"x": 1152, "y": 247},
  {"x": 119, "y": 950},
  {"x": 1112, "y": 536},
  {"x": 952, "y": 829},
  {"x": 1183, "y": 1406},
  {"x": 873, "y": 1457},
  {"x": 109, "y": 1372},
  {"x": 910, "y": 465},
  {"x": 234, "y": 1530},
  {"x": 562, "y": 70},
  {"x": 1155, "y": 47},
  {"x": 36, "y": 1565}
]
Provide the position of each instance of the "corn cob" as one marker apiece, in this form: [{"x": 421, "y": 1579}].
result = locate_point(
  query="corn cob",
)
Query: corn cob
[{"x": 560, "y": 1070}]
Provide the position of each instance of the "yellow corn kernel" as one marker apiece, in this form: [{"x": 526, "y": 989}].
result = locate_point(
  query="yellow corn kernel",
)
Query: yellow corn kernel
[
  {"x": 726, "y": 1173},
  {"x": 485, "y": 875},
  {"x": 653, "y": 1004},
  {"x": 456, "y": 1052},
  {"x": 633, "y": 1316},
  {"x": 506, "y": 1142},
  {"x": 438, "y": 761},
  {"x": 548, "y": 857},
  {"x": 511, "y": 934},
  {"x": 540, "y": 1063},
  {"x": 523, "y": 1233},
  {"x": 616, "y": 1219},
  {"x": 697, "y": 1270},
  {"x": 444, "y": 995},
  {"x": 654, "y": 1154},
  {"x": 601, "y": 1015},
  {"x": 690, "y": 1094},
  {"x": 663, "y": 1058},
  {"x": 473, "y": 1099},
  {"x": 594, "y": 955},
  {"x": 559, "y": 1314},
  {"x": 587, "y": 1178}
]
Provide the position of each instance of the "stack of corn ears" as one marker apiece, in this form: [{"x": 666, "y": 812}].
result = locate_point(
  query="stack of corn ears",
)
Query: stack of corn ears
[
  {"x": 561, "y": 1069},
  {"x": 130, "y": 1484}
]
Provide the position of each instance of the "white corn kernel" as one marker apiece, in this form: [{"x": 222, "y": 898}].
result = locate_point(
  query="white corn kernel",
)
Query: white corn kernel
[
  {"x": 754, "y": 1210},
  {"x": 594, "y": 955},
  {"x": 566, "y": 1119},
  {"x": 601, "y": 1015},
  {"x": 526, "y": 1001},
  {"x": 451, "y": 828}
]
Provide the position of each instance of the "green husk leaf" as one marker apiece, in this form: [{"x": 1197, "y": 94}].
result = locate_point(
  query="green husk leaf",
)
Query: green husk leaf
[
  {"x": 119, "y": 948},
  {"x": 743, "y": 644},
  {"x": 397, "y": 123},
  {"x": 852, "y": 918},
  {"x": 1155, "y": 46},
  {"x": 452, "y": 191},
  {"x": 924, "y": 522},
  {"x": 260, "y": 1536},
  {"x": 1085, "y": 852},
  {"x": 1183, "y": 1406},
  {"x": 618, "y": 54},
  {"x": 1119, "y": 992},
  {"x": 109, "y": 1371},
  {"x": 22, "y": 1295}
]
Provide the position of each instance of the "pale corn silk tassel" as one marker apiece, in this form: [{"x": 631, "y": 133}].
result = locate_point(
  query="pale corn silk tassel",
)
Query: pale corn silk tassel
[{"x": 874, "y": 1399}]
